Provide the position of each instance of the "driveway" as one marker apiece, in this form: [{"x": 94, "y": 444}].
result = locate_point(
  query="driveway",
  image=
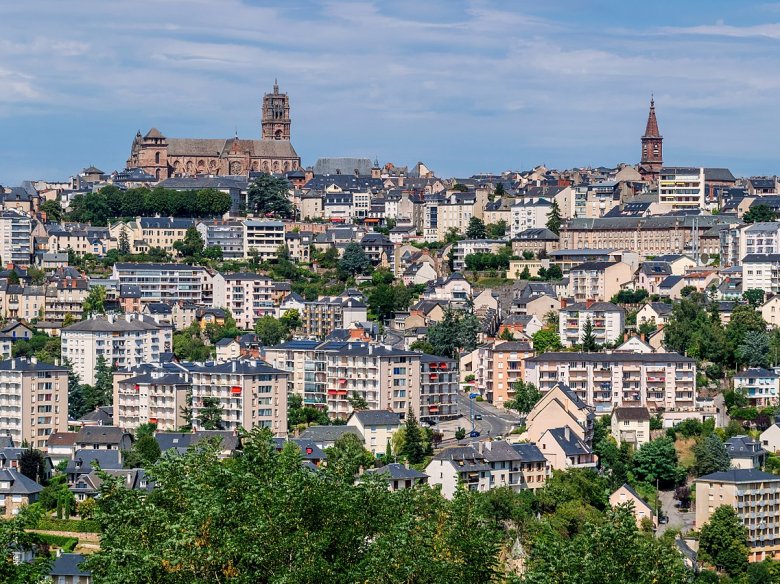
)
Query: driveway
[{"x": 677, "y": 520}]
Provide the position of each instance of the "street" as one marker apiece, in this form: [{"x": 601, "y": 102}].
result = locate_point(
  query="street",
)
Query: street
[
  {"x": 677, "y": 520},
  {"x": 495, "y": 421}
]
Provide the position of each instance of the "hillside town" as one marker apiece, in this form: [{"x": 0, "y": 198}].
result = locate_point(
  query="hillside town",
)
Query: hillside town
[{"x": 589, "y": 353}]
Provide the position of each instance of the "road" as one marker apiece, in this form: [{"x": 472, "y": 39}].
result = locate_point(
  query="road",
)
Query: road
[
  {"x": 494, "y": 422},
  {"x": 677, "y": 520}
]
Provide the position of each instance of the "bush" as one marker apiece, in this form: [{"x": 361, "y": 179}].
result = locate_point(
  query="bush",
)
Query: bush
[
  {"x": 66, "y": 544},
  {"x": 75, "y": 525}
]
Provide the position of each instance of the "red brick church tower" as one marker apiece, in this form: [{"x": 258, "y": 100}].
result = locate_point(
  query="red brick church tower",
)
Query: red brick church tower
[{"x": 652, "y": 148}]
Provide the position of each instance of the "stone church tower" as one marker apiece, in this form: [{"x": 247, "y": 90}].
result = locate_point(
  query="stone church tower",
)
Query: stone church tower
[
  {"x": 276, "y": 115},
  {"x": 652, "y": 148}
]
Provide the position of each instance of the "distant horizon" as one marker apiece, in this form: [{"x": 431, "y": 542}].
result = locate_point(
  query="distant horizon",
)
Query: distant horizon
[{"x": 467, "y": 87}]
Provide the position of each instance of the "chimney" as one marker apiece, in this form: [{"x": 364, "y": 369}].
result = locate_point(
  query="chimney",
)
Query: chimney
[
  {"x": 406, "y": 464},
  {"x": 563, "y": 303},
  {"x": 625, "y": 337},
  {"x": 34, "y": 360},
  {"x": 567, "y": 433}
]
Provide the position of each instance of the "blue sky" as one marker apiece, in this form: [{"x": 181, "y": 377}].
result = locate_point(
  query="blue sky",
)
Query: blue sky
[{"x": 464, "y": 86}]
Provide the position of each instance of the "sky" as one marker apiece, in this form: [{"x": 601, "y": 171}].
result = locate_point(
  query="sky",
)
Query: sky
[{"x": 464, "y": 86}]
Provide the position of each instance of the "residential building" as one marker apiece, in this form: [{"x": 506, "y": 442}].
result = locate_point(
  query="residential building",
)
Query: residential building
[
  {"x": 496, "y": 368},
  {"x": 161, "y": 232},
  {"x": 325, "y": 437},
  {"x": 681, "y": 188},
  {"x": 61, "y": 446},
  {"x": 770, "y": 438},
  {"x": 760, "y": 386},
  {"x": 122, "y": 341},
  {"x": 64, "y": 297},
  {"x": 164, "y": 282},
  {"x": 262, "y": 239},
  {"x": 529, "y": 214},
  {"x": 745, "y": 452},
  {"x": 68, "y": 569},
  {"x": 15, "y": 237},
  {"x": 560, "y": 407},
  {"x": 379, "y": 249},
  {"x": 249, "y": 392},
  {"x": 399, "y": 476},
  {"x": 631, "y": 425},
  {"x": 328, "y": 313},
  {"x": 755, "y": 496},
  {"x": 534, "y": 468},
  {"x": 247, "y": 296},
  {"x": 453, "y": 288},
  {"x": 377, "y": 428},
  {"x": 158, "y": 397},
  {"x": 16, "y": 491},
  {"x": 770, "y": 311},
  {"x": 537, "y": 240},
  {"x": 657, "y": 312},
  {"x": 33, "y": 400},
  {"x": 607, "y": 322},
  {"x": 467, "y": 247},
  {"x": 642, "y": 510},
  {"x": 604, "y": 380},
  {"x": 598, "y": 280},
  {"x": 227, "y": 235},
  {"x": 103, "y": 438},
  {"x": 564, "y": 449}
]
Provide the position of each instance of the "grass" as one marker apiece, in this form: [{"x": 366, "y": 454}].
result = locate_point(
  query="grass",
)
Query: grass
[
  {"x": 684, "y": 447},
  {"x": 75, "y": 525},
  {"x": 66, "y": 544}
]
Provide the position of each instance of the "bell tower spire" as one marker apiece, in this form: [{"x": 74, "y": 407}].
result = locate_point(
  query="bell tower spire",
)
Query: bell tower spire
[
  {"x": 276, "y": 115},
  {"x": 652, "y": 146}
]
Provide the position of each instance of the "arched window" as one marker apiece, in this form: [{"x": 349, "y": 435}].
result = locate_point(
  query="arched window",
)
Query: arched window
[{"x": 157, "y": 158}]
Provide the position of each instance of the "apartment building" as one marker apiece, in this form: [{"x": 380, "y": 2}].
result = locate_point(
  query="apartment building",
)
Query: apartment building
[
  {"x": 760, "y": 386},
  {"x": 558, "y": 407},
  {"x": 165, "y": 282},
  {"x": 529, "y": 214},
  {"x": 453, "y": 211},
  {"x": 263, "y": 239},
  {"x": 682, "y": 188},
  {"x": 328, "y": 313},
  {"x": 227, "y": 235},
  {"x": 467, "y": 247},
  {"x": 377, "y": 428},
  {"x": 16, "y": 491},
  {"x": 607, "y": 321},
  {"x": 607, "y": 380},
  {"x": 161, "y": 232},
  {"x": 249, "y": 392},
  {"x": 81, "y": 239},
  {"x": 158, "y": 396},
  {"x": 755, "y": 495},
  {"x": 247, "y": 296},
  {"x": 630, "y": 425},
  {"x": 65, "y": 297},
  {"x": 761, "y": 271},
  {"x": 15, "y": 237},
  {"x": 564, "y": 449},
  {"x": 534, "y": 468},
  {"x": 33, "y": 400},
  {"x": 122, "y": 341},
  {"x": 496, "y": 368},
  {"x": 759, "y": 238},
  {"x": 598, "y": 280}
]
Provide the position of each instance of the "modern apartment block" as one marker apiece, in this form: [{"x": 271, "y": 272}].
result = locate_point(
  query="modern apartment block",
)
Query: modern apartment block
[
  {"x": 761, "y": 271},
  {"x": 607, "y": 321},
  {"x": 157, "y": 396},
  {"x": 33, "y": 400},
  {"x": 468, "y": 247},
  {"x": 760, "y": 386},
  {"x": 163, "y": 282},
  {"x": 250, "y": 394},
  {"x": 529, "y": 214},
  {"x": 607, "y": 380},
  {"x": 328, "y": 313},
  {"x": 496, "y": 368},
  {"x": 263, "y": 238},
  {"x": 755, "y": 495},
  {"x": 247, "y": 296},
  {"x": 227, "y": 235},
  {"x": 122, "y": 341},
  {"x": 598, "y": 280},
  {"x": 388, "y": 379},
  {"x": 15, "y": 237},
  {"x": 681, "y": 188}
]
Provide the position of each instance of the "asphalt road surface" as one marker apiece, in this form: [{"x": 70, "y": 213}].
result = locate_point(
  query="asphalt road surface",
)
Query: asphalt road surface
[{"x": 494, "y": 422}]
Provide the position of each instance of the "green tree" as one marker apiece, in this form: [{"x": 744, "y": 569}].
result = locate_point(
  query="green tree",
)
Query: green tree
[
  {"x": 95, "y": 302},
  {"x": 460, "y": 433},
  {"x": 744, "y": 319},
  {"x": 104, "y": 383},
  {"x": 499, "y": 190},
  {"x": 546, "y": 340},
  {"x": 525, "y": 397},
  {"x": 124, "y": 242},
  {"x": 657, "y": 460},
  {"x": 192, "y": 244},
  {"x": 710, "y": 456},
  {"x": 268, "y": 196},
  {"x": 413, "y": 447},
  {"x": 347, "y": 456},
  {"x": 476, "y": 229},
  {"x": 213, "y": 252},
  {"x": 53, "y": 209},
  {"x": 14, "y": 536},
  {"x": 211, "y": 202},
  {"x": 270, "y": 331},
  {"x": 354, "y": 261},
  {"x": 758, "y": 214},
  {"x": 144, "y": 452},
  {"x": 554, "y": 219},
  {"x": 589, "y": 343},
  {"x": 723, "y": 541},
  {"x": 754, "y": 349},
  {"x": 357, "y": 402},
  {"x": 291, "y": 320},
  {"x": 496, "y": 230},
  {"x": 210, "y": 414},
  {"x": 299, "y": 414},
  {"x": 31, "y": 465},
  {"x": 754, "y": 297}
]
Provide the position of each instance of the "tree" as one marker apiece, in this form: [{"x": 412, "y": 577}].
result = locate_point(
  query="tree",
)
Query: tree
[
  {"x": 744, "y": 319},
  {"x": 657, "y": 460},
  {"x": 554, "y": 218},
  {"x": 101, "y": 394},
  {"x": 211, "y": 202},
  {"x": 545, "y": 340},
  {"x": 354, "y": 261},
  {"x": 291, "y": 320},
  {"x": 754, "y": 349},
  {"x": 347, "y": 457},
  {"x": 270, "y": 331},
  {"x": 31, "y": 465},
  {"x": 525, "y": 397},
  {"x": 192, "y": 244},
  {"x": 413, "y": 448},
  {"x": 53, "y": 209},
  {"x": 476, "y": 229},
  {"x": 212, "y": 252},
  {"x": 723, "y": 541},
  {"x": 144, "y": 452},
  {"x": 754, "y": 297},
  {"x": 268, "y": 196},
  {"x": 300, "y": 415},
  {"x": 499, "y": 191},
  {"x": 460, "y": 433},
  {"x": 759, "y": 214},
  {"x": 496, "y": 230},
  {"x": 554, "y": 272},
  {"x": 357, "y": 402},
  {"x": 589, "y": 343},
  {"x": 95, "y": 302},
  {"x": 710, "y": 456},
  {"x": 210, "y": 414},
  {"x": 124, "y": 242}
]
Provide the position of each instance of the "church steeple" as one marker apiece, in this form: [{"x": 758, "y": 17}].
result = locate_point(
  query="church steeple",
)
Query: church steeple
[
  {"x": 276, "y": 115},
  {"x": 652, "y": 146}
]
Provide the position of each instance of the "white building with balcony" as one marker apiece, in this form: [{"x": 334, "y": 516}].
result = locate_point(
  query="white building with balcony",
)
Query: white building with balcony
[
  {"x": 607, "y": 320},
  {"x": 681, "y": 188}
]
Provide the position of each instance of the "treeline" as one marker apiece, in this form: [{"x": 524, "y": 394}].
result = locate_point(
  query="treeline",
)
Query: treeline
[{"x": 111, "y": 203}]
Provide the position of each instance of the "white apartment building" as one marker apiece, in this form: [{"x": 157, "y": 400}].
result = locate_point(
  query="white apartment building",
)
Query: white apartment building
[
  {"x": 607, "y": 380},
  {"x": 247, "y": 296},
  {"x": 529, "y": 214},
  {"x": 445, "y": 212},
  {"x": 123, "y": 341},
  {"x": 165, "y": 282},
  {"x": 227, "y": 235},
  {"x": 761, "y": 271},
  {"x": 759, "y": 238},
  {"x": 468, "y": 247},
  {"x": 263, "y": 237},
  {"x": 681, "y": 188},
  {"x": 157, "y": 396},
  {"x": 250, "y": 393},
  {"x": 15, "y": 237},
  {"x": 607, "y": 320},
  {"x": 33, "y": 400}
]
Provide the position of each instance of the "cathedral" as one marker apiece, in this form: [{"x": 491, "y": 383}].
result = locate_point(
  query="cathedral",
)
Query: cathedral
[
  {"x": 168, "y": 157},
  {"x": 652, "y": 148}
]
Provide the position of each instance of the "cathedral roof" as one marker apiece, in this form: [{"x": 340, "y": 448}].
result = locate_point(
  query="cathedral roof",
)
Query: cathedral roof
[
  {"x": 154, "y": 133},
  {"x": 651, "y": 131},
  {"x": 222, "y": 147}
]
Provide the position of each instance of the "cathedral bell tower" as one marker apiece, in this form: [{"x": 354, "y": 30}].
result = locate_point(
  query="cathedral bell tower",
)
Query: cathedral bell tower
[
  {"x": 652, "y": 147},
  {"x": 276, "y": 115}
]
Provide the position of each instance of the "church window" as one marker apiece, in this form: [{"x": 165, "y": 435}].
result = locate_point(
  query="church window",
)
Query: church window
[{"x": 157, "y": 158}]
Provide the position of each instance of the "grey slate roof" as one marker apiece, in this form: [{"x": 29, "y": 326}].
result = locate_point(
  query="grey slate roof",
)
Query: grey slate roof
[
  {"x": 397, "y": 472},
  {"x": 68, "y": 565},
  {"x": 377, "y": 418},
  {"x": 611, "y": 357},
  {"x": 19, "y": 484},
  {"x": 529, "y": 453},
  {"x": 631, "y": 413},
  {"x": 328, "y": 433},
  {"x": 100, "y": 435},
  {"x": 571, "y": 447},
  {"x": 740, "y": 475}
]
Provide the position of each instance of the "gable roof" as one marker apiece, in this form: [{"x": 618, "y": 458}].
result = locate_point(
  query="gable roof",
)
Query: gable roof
[
  {"x": 100, "y": 435},
  {"x": 18, "y": 484},
  {"x": 397, "y": 471},
  {"x": 639, "y": 414},
  {"x": 377, "y": 417}
]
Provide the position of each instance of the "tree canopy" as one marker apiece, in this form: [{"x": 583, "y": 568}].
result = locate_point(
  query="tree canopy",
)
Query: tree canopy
[{"x": 268, "y": 196}]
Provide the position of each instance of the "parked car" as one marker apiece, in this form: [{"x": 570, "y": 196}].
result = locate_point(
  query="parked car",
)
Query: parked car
[
  {"x": 477, "y": 416},
  {"x": 474, "y": 434}
]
